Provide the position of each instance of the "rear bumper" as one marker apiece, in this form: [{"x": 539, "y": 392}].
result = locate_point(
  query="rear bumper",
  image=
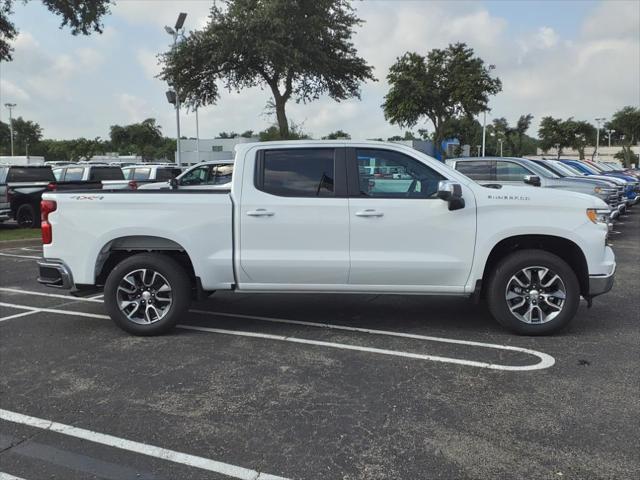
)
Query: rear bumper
[{"x": 54, "y": 273}]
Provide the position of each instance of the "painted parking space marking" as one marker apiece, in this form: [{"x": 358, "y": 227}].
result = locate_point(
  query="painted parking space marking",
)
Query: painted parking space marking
[
  {"x": 16, "y": 315},
  {"x": 52, "y": 295},
  {"x": 7, "y": 476},
  {"x": 19, "y": 256},
  {"x": 194, "y": 461},
  {"x": 545, "y": 360}
]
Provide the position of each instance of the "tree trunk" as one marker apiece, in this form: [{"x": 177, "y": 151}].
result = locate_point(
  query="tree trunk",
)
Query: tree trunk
[{"x": 281, "y": 116}]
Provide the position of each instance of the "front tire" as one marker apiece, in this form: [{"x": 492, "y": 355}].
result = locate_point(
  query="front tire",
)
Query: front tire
[
  {"x": 146, "y": 294},
  {"x": 533, "y": 292}
]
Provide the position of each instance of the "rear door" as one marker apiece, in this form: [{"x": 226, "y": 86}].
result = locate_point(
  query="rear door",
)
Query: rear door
[
  {"x": 404, "y": 238},
  {"x": 294, "y": 220}
]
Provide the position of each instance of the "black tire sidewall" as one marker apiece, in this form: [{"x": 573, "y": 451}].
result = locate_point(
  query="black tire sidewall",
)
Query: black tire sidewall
[
  {"x": 31, "y": 212},
  {"x": 174, "y": 274},
  {"x": 516, "y": 262}
]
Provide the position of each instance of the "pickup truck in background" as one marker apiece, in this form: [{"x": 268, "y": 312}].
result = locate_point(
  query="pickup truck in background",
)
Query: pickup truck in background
[
  {"x": 500, "y": 171},
  {"x": 110, "y": 176},
  {"x": 21, "y": 188},
  {"x": 144, "y": 174},
  {"x": 319, "y": 217},
  {"x": 212, "y": 174}
]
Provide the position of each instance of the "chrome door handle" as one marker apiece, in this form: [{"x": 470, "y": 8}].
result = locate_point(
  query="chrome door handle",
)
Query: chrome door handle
[
  {"x": 260, "y": 212},
  {"x": 369, "y": 212}
]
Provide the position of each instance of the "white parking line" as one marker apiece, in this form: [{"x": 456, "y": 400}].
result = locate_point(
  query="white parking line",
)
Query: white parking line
[
  {"x": 21, "y": 314},
  {"x": 19, "y": 256},
  {"x": 202, "y": 463},
  {"x": 546, "y": 360},
  {"x": 52, "y": 295},
  {"x": 6, "y": 476},
  {"x": 29, "y": 249}
]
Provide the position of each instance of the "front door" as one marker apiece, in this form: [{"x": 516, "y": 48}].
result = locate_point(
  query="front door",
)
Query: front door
[
  {"x": 294, "y": 220},
  {"x": 402, "y": 236}
]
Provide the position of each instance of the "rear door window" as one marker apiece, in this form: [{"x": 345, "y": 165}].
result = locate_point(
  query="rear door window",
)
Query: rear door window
[
  {"x": 105, "y": 173},
  {"x": 164, "y": 174},
  {"x": 30, "y": 174},
  {"x": 510, "y": 172},
  {"x": 297, "y": 172},
  {"x": 478, "y": 170}
]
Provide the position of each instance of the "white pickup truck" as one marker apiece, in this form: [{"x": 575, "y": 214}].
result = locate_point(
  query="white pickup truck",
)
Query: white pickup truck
[{"x": 320, "y": 216}]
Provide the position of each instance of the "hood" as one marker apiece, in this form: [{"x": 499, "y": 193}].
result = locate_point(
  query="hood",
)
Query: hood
[{"x": 537, "y": 197}]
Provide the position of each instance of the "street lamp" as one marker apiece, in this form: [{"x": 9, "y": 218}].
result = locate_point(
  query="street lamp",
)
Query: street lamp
[
  {"x": 11, "y": 106},
  {"x": 500, "y": 142},
  {"x": 599, "y": 121},
  {"x": 176, "y": 32},
  {"x": 484, "y": 121},
  {"x": 609, "y": 132}
]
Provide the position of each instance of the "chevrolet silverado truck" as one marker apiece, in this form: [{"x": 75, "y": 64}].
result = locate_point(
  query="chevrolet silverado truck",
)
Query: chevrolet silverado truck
[{"x": 331, "y": 217}]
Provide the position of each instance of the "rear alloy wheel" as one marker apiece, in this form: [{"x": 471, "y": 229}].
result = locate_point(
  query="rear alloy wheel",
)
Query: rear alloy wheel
[
  {"x": 26, "y": 216},
  {"x": 533, "y": 292},
  {"x": 146, "y": 294}
]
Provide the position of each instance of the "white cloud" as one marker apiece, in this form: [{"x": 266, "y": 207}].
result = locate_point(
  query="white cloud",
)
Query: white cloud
[
  {"x": 161, "y": 13},
  {"x": 11, "y": 91},
  {"x": 149, "y": 62}
]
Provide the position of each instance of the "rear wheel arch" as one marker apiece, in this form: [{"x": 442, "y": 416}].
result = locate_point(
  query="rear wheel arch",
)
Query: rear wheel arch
[
  {"x": 118, "y": 249},
  {"x": 564, "y": 248}
]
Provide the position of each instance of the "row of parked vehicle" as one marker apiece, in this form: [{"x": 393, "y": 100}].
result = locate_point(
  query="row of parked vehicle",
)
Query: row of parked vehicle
[{"x": 615, "y": 185}]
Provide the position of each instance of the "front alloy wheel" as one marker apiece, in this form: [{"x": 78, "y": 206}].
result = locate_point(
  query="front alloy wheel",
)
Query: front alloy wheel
[{"x": 535, "y": 295}]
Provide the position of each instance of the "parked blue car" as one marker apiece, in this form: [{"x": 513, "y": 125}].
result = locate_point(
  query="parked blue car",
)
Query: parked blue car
[{"x": 632, "y": 185}]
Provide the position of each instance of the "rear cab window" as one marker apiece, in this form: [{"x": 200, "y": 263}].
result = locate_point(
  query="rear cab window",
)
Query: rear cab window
[
  {"x": 164, "y": 174},
  {"x": 296, "y": 172},
  {"x": 74, "y": 174},
  {"x": 142, "y": 173},
  {"x": 30, "y": 174},
  {"x": 105, "y": 173}
]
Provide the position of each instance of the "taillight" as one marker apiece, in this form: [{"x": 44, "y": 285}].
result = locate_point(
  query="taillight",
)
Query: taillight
[
  {"x": 133, "y": 185},
  {"x": 52, "y": 186},
  {"x": 46, "y": 207}
]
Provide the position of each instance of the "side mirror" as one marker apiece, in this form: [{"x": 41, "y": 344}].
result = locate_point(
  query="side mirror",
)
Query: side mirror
[
  {"x": 173, "y": 184},
  {"x": 451, "y": 192},
  {"x": 532, "y": 180}
]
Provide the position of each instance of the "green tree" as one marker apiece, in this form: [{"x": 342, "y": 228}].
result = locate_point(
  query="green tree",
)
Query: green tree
[
  {"x": 523, "y": 124},
  {"x": 466, "y": 129},
  {"x": 81, "y": 16},
  {"x": 579, "y": 134},
  {"x": 298, "y": 49},
  {"x": 247, "y": 134},
  {"x": 626, "y": 123},
  {"x": 273, "y": 133},
  {"x": 445, "y": 84},
  {"x": 553, "y": 135},
  {"x": 139, "y": 138},
  {"x": 338, "y": 134}
]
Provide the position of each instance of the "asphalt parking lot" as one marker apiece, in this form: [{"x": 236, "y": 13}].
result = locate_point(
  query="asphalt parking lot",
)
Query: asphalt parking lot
[{"x": 317, "y": 387}]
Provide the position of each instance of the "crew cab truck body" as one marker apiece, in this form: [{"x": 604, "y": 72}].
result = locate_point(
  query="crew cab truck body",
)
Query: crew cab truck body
[
  {"x": 310, "y": 216},
  {"x": 110, "y": 176}
]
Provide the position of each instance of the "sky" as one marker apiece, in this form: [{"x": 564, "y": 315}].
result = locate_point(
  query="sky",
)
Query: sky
[{"x": 576, "y": 59}]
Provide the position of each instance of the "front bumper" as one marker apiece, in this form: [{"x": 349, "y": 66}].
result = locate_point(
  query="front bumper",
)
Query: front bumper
[
  {"x": 599, "y": 284},
  {"x": 54, "y": 273},
  {"x": 5, "y": 214}
]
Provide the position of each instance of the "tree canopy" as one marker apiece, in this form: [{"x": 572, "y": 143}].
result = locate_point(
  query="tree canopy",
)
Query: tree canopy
[
  {"x": 299, "y": 50},
  {"x": 626, "y": 123},
  {"x": 446, "y": 84},
  {"x": 576, "y": 134},
  {"x": 338, "y": 134},
  {"x": 81, "y": 16}
]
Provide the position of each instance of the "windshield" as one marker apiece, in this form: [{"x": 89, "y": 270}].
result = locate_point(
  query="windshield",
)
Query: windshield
[
  {"x": 566, "y": 169},
  {"x": 549, "y": 168},
  {"x": 589, "y": 168}
]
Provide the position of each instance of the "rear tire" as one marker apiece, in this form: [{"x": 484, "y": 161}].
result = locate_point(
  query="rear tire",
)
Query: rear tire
[
  {"x": 546, "y": 286},
  {"x": 146, "y": 294},
  {"x": 26, "y": 216}
]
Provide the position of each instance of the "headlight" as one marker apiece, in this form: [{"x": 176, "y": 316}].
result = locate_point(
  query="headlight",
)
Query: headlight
[
  {"x": 597, "y": 189},
  {"x": 598, "y": 215}
]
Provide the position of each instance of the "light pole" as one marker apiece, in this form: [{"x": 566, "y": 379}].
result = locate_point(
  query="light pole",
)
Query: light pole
[
  {"x": 557, "y": 145},
  {"x": 609, "y": 132},
  {"x": 11, "y": 106},
  {"x": 598, "y": 122},
  {"x": 176, "y": 32},
  {"x": 500, "y": 142},
  {"x": 479, "y": 151},
  {"x": 197, "y": 137},
  {"x": 484, "y": 121}
]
